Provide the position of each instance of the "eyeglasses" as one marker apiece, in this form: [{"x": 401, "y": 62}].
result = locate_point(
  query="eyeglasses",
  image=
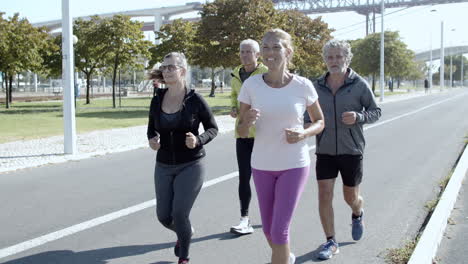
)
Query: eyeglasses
[{"x": 169, "y": 68}]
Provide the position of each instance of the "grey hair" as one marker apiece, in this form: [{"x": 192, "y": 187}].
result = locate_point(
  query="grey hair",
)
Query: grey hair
[
  {"x": 182, "y": 61},
  {"x": 250, "y": 42},
  {"x": 341, "y": 44}
]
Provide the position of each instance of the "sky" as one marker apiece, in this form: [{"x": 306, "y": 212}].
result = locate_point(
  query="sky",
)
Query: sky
[{"x": 417, "y": 25}]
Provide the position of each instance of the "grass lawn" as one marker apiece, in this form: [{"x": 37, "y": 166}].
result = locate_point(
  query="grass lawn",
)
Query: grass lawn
[{"x": 29, "y": 120}]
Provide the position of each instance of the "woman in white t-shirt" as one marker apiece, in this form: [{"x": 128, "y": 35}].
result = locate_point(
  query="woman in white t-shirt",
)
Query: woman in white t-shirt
[{"x": 275, "y": 103}]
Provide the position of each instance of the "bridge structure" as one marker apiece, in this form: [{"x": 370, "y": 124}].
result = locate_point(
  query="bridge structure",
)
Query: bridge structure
[
  {"x": 363, "y": 7},
  {"x": 368, "y": 8},
  {"x": 448, "y": 51},
  {"x": 161, "y": 16}
]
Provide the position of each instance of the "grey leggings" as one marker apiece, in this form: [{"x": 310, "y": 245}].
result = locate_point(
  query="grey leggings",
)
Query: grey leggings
[{"x": 177, "y": 187}]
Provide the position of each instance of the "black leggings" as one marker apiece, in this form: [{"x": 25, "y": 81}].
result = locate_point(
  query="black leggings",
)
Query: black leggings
[
  {"x": 177, "y": 187},
  {"x": 244, "y": 148}
]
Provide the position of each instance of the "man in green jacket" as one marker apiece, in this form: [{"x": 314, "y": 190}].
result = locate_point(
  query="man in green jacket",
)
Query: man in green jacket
[{"x": 249, "y": 54}]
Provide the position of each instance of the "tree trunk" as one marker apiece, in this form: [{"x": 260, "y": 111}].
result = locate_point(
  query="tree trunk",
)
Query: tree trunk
[
  {"x": 88, "y": 80},
  {"x": 10, "y": 91},
  {"x": 114, "y": 76},
  {"x": 390, "y": 86},
  {"x": 7, "y": 92},
  {"x": 213, "y": 87},
  {"x": 373, "y": 83}
]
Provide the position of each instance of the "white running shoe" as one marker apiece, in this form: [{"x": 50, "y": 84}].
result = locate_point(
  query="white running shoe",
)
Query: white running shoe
[
  {"x": 243, "y": 228},
  {"x": 292, "y": 258}
]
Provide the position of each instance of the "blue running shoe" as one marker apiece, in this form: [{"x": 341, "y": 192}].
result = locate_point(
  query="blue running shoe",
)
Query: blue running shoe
[
  {"x": 329, "y": 249},
  {"x": 357, "y": 227}
]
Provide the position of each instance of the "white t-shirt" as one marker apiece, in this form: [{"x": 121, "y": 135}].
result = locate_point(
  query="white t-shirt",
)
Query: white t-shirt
[{"x": 280, "y": 108}]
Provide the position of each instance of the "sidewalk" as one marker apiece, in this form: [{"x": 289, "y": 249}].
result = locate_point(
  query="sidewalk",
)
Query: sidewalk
[{"x": 32, "y": 153}]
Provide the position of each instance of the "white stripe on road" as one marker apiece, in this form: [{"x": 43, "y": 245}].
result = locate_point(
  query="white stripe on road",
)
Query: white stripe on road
[
  {"x": 15, "y": 249},
  {"x": 5, "y": 252}
]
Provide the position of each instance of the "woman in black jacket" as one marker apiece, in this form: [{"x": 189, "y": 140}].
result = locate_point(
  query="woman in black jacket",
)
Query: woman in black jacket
[{"x": 174, "y": 118}]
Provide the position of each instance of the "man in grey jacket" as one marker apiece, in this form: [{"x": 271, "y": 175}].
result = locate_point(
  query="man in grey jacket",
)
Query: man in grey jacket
[{"x": 347, "y": 103}]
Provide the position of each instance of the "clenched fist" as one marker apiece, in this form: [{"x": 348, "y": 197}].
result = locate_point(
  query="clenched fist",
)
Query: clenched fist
[
  {"x": 252, "y": 116},
  {"x": 294, "y": 135},
  {"x": 154, "y": 143},
  {"x": 233, "y": 112},
  {"x": 349, "y": 118},
  {"x": 190, "y": 140}
]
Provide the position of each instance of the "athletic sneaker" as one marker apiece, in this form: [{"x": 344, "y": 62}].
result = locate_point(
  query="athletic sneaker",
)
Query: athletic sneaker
[
  {"x": 183, "y": 261},
  {"x": 357, "y": 227},
  {"x": 243, "y": 228},
  {"x": 292, "y": 258},
  {"x": 177, "y": 245},
  {"x": 329, "y": 249}
]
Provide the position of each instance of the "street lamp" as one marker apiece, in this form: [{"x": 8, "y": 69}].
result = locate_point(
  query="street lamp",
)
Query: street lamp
[
  {"x": 451, "y": 55},
  {"x": 69, "y": 124},
  {"x": 382, "y": 58},
  {"x": 442, "y": 56}
]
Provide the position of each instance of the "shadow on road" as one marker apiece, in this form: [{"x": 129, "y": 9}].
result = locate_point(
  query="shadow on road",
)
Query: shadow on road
[
  {"x": 101, "y": 256},
  {"x": 96, "y": 256},
  {"x": 312, "y": 255}
]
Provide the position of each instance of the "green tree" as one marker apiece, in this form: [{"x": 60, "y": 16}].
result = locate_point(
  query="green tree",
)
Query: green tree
[
  {"x": 21, "y": 50},
  {"x": 52, "y": 57},
  {"x": 177, "y": 36},
  {"x": 90, "y": 50},
  {"x": 224, "y": 24},
  {"x": 309, "y": 36},
  {"x": 456, "y": 68},
  {"x": 125, "y": 45},
  {"x": 399, "y": 60},
  {"x": 3, "y": 46}
]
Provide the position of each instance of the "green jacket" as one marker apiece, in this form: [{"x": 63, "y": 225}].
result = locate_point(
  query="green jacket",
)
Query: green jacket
[{"x": 236, "y": 85}]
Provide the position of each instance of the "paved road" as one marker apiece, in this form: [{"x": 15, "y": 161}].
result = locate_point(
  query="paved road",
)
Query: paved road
[{"x": 406, "y": 157}]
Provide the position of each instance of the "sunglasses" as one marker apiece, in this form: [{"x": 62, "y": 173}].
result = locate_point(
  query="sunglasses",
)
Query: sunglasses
[{"x": 169, "y": 68}]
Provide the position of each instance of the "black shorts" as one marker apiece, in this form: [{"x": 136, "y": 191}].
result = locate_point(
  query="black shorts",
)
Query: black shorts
[{"x": 349, "y": 166}]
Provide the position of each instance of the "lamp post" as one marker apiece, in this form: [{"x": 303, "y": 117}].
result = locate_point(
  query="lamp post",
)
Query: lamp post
[
  {"x": 451, "y": 59},
  {"x": 69, "y": 125},
  {"x": 462, "y": 73},
  {"x": 442, "y": 56},
  {"x": 382, "y": 57}
]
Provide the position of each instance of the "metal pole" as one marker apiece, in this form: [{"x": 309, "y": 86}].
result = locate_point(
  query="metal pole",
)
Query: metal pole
[
  {"x": 451, "y": 72},
  {"x": 462, "y": 73},
  {"x": 442, "y": 56},
  {"x": 430, "y": 63},
  {"x": 382, "y": 57},
  {"x": 69, "y": 125}
]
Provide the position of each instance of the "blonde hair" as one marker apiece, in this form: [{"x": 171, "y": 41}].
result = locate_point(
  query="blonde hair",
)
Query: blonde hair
[
  {"x": 182, "y": 61},
  {"x": 156, "y": 73},
  {"x": 285, "y": 39}
]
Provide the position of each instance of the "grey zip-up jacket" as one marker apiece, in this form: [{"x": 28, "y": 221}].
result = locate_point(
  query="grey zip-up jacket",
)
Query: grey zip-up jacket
[{"x": 355, "y": 95}]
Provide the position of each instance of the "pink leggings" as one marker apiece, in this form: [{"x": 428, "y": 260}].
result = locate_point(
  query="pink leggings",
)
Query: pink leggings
[{"x": 278, "y": 193}]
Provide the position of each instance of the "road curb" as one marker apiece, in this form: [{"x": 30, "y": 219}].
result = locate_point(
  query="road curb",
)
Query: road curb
[{"x": 427, "y": 246}]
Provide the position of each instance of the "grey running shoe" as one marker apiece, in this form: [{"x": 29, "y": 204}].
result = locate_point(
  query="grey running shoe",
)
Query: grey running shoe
[
  {"x": 328, "y": 249},
  {"x": 357, "y": 227}
]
